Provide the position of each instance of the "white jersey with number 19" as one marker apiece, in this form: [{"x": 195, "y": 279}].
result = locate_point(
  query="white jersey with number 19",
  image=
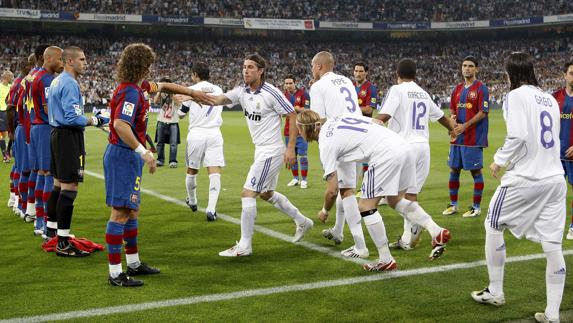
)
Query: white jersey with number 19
[
  {"x": 410, "y": 108},
  {"x": 531, "y": 147},
  {"x": 334, "y": 95}
]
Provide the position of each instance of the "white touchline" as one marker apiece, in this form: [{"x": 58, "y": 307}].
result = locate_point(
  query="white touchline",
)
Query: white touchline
[
  {"x": 263, "y": 291},
  {"x": 258, "y": 228}
]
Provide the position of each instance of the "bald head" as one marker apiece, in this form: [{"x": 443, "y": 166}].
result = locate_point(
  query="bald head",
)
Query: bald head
[
  {"x": 53, "y": 59},
  {"x": 324, "y": 58},
  {"x": 322, "y": 63},
  {"x": 52, "y": 51}
]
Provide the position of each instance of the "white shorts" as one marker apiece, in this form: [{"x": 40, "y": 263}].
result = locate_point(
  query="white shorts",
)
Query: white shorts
[
  {"x": 389, "y": 175},
  {"x": 204, "y": 147},
  {"x": 421, "y": 152},
  {"x": 346, "y": 173},
  {"x": 264, "y": 174},
  {"x": 536, "y": 211}
]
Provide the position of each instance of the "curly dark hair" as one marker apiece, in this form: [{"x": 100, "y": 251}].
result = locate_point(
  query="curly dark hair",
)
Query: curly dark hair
[{"x": 134, "y": 63}]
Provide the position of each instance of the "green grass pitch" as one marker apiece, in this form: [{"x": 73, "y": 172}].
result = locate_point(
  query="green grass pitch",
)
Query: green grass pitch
[{"x": 185, "y": 247}]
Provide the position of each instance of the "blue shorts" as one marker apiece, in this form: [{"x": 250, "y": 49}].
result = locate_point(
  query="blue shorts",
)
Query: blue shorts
[
  {"x": 122, "y": 170},
  {"x": 463, "y": 157},
  {"x": 22, "y": 161},
  {"x": 40, "y": 150},
  {"x": 568, "y": 168},
  {"x": 301, "y": 147}
]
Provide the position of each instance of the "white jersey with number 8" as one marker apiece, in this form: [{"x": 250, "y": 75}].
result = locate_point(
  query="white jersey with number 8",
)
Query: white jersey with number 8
[{"x": 531, "y": 148}]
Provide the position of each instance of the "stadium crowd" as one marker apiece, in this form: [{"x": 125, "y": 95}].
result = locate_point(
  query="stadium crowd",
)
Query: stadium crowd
[
  {"x": 438, "y": 67},
  {"x": 342, "y": 10}
]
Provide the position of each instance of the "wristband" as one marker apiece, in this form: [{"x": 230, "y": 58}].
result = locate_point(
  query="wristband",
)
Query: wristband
[
  {"x": 324, "y": 211},
  {"x": 95, "y": 121},
  {"x": 141, "y": 150}
]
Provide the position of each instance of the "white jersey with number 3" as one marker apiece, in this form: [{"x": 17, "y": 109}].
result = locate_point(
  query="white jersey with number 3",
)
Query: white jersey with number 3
[
  {"x": 205, "y": 116},
  {"x": 334, "y": 95},
  {"x": 410, "y": 108},
  {"x": 531, "y": 147}
]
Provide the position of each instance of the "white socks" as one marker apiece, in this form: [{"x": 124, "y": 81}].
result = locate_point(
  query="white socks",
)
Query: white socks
[
  {"x": 413, "y": 212},
  {"x": 132, "y": 260},
  {"x": 495, "y": 259},
  {"x": 377, "y": 231},
  {"x": 339, "y": 223},
  {"x": 282, "y": 203},
  {"x": 191, "y": 184},
  {"x": 354, "y": 220},
  {"x": 555, "y": 274},
  {"x": 115, "y": 270},
  {"x": 248, "y": 215},
  {"x": 214, "y": 189}
]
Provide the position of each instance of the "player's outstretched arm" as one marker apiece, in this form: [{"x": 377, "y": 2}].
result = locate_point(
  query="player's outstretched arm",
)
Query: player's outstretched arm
[
  {"x": 172, "y": 88},
  {"x": 125, "y": 133}
]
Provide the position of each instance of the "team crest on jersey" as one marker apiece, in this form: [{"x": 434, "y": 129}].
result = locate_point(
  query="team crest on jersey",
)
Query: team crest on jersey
[
  {"x": 298, "y": 99},
  {"x": 472, "y": 95},
  {"x": 77, "y": 109},
  {"x": 128, "y": 108},
  {"x": 363, "y": 93},
  {"x": 359, "y": 101},
  {"x": 258, "y": 107}
]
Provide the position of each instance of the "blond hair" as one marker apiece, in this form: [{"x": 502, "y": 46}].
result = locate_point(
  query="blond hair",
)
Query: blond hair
[{"x": 308, "y": 121}]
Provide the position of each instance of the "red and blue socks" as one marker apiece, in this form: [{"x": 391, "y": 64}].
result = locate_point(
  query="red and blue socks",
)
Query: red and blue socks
[
  {"x": 114, "y": 240},
  {"x": 130, "y": 238},
  {"x": 478, "y": 190},
  {"x": 303, "y": 167},
  {"x": 454, "y": 186},
  {"x": 40, "y": 214}
]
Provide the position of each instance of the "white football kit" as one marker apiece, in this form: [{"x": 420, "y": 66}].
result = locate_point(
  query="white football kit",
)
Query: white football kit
[
  {"x": 331, "y": 96},
  {"x": 204, "y": 139},
  {"x": 530, "y": 200},
  {"x": 411, "y": 109},
  {"x": 263, "y": 109},
  {"x": 350, "y": 138}
]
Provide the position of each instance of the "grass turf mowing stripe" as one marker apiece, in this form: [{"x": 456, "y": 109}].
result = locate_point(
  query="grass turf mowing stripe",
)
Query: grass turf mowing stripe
[
  {"x": 258, "y": 228},
  {"x": 264, "y": 291}
]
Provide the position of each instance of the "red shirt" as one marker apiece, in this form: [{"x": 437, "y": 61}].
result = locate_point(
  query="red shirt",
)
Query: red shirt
[{"x": 128, "y": 103}]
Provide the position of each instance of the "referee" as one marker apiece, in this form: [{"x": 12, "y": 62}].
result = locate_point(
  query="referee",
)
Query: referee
[
  {"x": 5, "y": 83},
  {"x": 66, "y": 116}
]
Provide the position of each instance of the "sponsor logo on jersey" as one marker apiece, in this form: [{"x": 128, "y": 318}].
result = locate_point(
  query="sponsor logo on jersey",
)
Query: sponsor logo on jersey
[
  {"x": 253, "y": 116},
  {"x": 567, "y": 116},
  {"x": 128, "y": 108},
  {"x": 362, "y": 93}
]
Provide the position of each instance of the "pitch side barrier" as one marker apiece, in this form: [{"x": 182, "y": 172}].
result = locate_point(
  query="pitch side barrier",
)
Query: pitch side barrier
[{"x": 280, "y": 24}]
